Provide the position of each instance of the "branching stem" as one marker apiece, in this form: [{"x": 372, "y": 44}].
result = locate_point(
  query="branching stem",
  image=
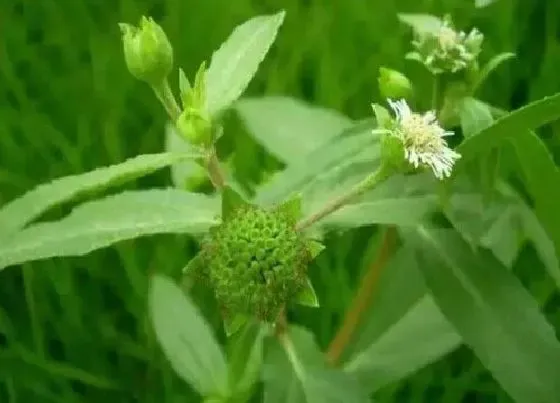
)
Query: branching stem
[{"x": 367, "y": 184}]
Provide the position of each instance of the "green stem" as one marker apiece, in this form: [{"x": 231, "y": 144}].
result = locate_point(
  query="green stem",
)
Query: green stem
[
  {"x": 435, "y": 92},
  {"x": 165, "y": 95},
  {"x": 290, "y": 350},
  {"x": 368, "y": 183}
]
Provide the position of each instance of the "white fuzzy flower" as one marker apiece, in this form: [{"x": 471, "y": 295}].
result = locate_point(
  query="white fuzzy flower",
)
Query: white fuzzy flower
[{"x": 423, "y": 139}]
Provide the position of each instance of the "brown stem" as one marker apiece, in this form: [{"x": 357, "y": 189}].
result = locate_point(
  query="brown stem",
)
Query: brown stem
[
  {"x": 362, "y": 299},
  {"x": 281, "y": 323},
  {"x": 215, "y": 171}
]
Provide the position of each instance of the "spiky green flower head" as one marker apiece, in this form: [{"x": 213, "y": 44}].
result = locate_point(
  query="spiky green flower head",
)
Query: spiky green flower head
[
  {"x": 256, "y": 261},
  {"x": 446, "y": 50},
  {"x": 194, "y": 123}
]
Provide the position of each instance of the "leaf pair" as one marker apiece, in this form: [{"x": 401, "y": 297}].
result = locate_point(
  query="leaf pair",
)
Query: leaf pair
[{"x": 100, "y": 223}]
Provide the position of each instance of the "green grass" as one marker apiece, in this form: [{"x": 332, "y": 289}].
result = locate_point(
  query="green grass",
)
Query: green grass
[{"x": 75, "y": 330}]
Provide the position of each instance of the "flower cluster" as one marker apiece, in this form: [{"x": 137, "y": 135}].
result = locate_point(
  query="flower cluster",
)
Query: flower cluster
[
  {"x": 445, "y": 49},
  {"x": 421, "y": 140},
  {"x": 256, "y": 261}
]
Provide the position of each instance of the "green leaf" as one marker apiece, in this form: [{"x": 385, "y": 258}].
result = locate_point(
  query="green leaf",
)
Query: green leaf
[
  {"x": 536, "y": 234},
  {"x": 398, "y": 336},
  {"x": 475, "y": 116},
  {"x": 382, "y": 116},
  {"x": 296, "y": 373},
  {"x": 490, "y": 223},
  {"x": 402, "y": 211},
  {"x": 279, "y": 123},
  {"x": 307, "y": 296},
  {"x": 193, "y": 271},
  {"x": 186, "y": 339},
  {"x": 23, "y": 210},
  {"x": 356, "y": 143},
  {"x": 493, "y": 313},
  {"x": 528, "y": 117},
  {"x": 103, "y": 222},
  {"x": 292, "y": 206},
  {"x": 542, "y": 180},
  {"x": 483, "y": 3},
  {"x": 245, "y": 357},
  {"x": 235, "y": 63},
  {"x": 420, "y": 337},
  {"x": 421, "y": 23},
  {"x": 233, "y": 324},
  {"x": 315, "y": 248},
  {"x": 505, "y": 236},
  {"x": 231, "y": 201},
  {"x": 491, "y": 66}
]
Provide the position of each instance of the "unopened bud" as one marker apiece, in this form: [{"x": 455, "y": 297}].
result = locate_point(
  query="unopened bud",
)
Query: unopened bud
[
  {"x": 194, "y": 127},
  {"x": 393, "y": 84},
  {"x": 147, "y": 51}
]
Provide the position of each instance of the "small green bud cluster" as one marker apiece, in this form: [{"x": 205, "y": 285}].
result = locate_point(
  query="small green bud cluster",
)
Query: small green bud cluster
[
  {"x": 149, "y": 57},
  {"x": 447, "y": 50},
  {"x": 256, "y": 262},
  {"x": 194, "y": 124},
  {"x": 147, "y": 51}
]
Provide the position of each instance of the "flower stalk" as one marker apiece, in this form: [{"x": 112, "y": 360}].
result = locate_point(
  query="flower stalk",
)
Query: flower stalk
[
  {"x": 165, "y": 96},
  {"x": 366, "y": 184}
]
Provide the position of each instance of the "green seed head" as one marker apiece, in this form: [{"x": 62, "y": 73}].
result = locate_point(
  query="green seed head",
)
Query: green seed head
[{"x": 256, "y": 261}]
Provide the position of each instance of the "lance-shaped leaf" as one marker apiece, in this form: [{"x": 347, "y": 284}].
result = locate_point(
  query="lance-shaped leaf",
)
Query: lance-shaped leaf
[
  {"x": 101, "y": 223},
  {"x": 492, "y": 312},
  {"x": 187, "y": 340},
  {"x": 307, "y": 296},
  {"x": 421, "y": 23},
  {"x": 234, "y": 323},
  {"x": 315, "y": 248},
  {"x": 245, "y": 357},
  {"x": 292, "y": 206},
  {"x": 295, "y": 372},
  {"x": 235, "y": 63},
  {"x": 490, "y": 67},
  {"x": 278, "y": 123},
  {"x": 23, "y": 210}
]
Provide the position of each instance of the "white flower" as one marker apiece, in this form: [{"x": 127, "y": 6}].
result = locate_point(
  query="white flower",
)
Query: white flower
[{"x": 423, "y": 139}]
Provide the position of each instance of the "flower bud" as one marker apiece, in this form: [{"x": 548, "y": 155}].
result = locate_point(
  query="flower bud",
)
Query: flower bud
[
  {"x": 147, "y": 51},
  {"x": 194, "y": 127},
  {"x": 393, "y": 84}
]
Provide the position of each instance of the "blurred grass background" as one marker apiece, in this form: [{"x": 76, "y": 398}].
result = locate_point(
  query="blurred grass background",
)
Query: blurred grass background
[{"x": 75, "y": 330}]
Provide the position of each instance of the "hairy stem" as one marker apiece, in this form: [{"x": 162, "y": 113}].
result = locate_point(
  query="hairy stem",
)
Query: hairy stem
[
  {"x": 362, "y": 299},
  {"x": 215, "y": 170},
  {"x": 367, "y": 184}
]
